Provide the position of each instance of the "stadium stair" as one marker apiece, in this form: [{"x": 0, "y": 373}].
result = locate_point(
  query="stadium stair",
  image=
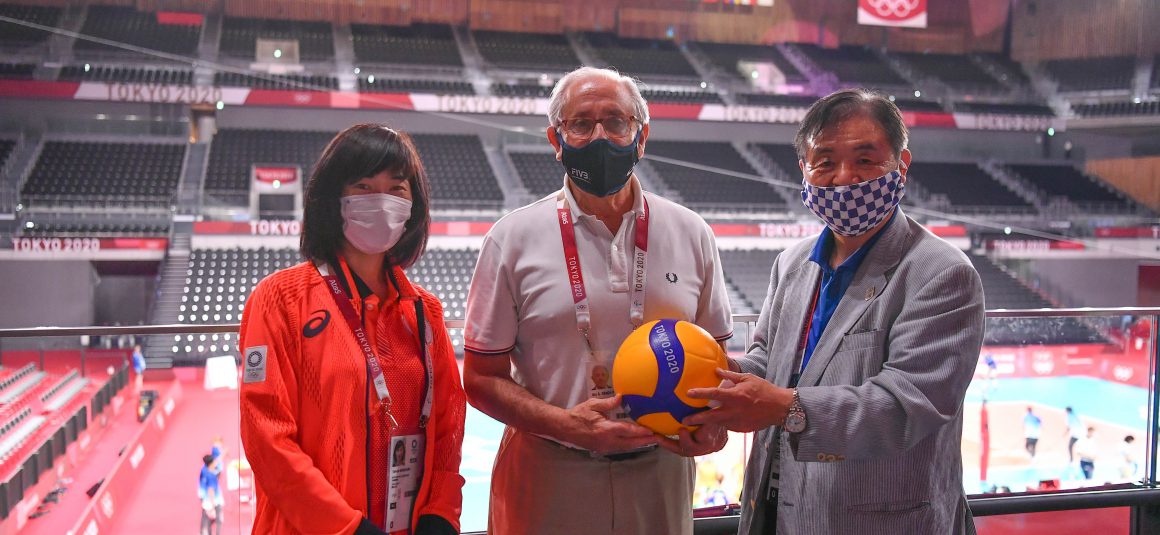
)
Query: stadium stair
[
  {"x": 771, "y": 171},
  {"x": 584, "y": 51},
  {"x": 165, "y": 307}
]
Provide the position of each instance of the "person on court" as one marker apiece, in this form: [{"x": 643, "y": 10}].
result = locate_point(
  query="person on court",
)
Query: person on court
[
  {"x": 866, "y": 342},
  {"x": 345, "y": 360},
  {"x": 559, "y": 285}
]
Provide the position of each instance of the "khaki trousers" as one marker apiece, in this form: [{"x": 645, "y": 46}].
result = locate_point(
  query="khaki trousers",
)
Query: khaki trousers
[{"x": 539, "y": 487}]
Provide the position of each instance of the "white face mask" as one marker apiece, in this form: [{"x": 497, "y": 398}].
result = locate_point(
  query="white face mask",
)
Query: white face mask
[{"x": 374, "y": 222}]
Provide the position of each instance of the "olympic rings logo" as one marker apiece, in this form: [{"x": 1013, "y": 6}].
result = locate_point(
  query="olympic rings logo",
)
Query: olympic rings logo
[{"x": 893, "y": 8}]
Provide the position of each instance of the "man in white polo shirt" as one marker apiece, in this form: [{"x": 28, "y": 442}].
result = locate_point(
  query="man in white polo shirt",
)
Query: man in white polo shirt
[{"x": 559, "y": 285}]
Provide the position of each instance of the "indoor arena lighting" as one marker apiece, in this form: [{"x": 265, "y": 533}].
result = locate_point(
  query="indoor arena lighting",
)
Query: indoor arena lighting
[
  {"x": 917, "y": 93},
  {"x": 220, "y": 105},
  {"x": 370, "y": 78},
  {"x": 277, "y": 52},
  {"x": 357, "y": 70}
]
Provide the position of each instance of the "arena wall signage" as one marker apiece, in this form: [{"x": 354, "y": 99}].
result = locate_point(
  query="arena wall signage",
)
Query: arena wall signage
[
  {"x": 479, "y": 228},
  {"x": 133, "y": 249},
  {"x": 492, "y": 105}
]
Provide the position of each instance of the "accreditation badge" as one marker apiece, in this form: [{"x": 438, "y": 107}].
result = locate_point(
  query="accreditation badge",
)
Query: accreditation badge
[
  {"x": 406, "y": 474},
  {"x": 600, "y": 386}
]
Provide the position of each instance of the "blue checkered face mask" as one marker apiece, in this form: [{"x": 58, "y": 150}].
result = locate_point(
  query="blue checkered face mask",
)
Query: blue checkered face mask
[{"x": 853, "y": 210}]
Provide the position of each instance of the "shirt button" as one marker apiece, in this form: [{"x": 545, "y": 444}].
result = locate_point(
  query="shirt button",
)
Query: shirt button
[
  {"x": 831, "y": 458},
  {"x": 821, "y": 457}
]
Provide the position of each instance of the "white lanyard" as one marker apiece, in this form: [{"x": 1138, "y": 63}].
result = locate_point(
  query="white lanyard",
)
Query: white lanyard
[
  {"x": 355, "y": 323},
  {"x": 576, "y": 275}
]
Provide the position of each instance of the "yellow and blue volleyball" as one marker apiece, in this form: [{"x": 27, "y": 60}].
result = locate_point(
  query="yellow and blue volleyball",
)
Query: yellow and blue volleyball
[{"x": 657, "y": 365}]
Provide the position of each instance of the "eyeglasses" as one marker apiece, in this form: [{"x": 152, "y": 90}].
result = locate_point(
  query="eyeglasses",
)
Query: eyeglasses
[{"x": 583, "y": 127}]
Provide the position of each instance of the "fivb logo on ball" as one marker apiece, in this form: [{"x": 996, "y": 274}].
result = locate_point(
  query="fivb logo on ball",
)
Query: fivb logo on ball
[{"x": 657, "y": 365}]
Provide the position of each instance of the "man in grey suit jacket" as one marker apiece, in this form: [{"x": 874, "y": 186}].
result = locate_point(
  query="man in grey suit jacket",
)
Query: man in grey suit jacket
[{"x": 867, "y": 340}]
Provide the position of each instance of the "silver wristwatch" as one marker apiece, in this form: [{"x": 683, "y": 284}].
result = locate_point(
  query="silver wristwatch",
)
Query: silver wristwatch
[{"x": 795, "y": 421}]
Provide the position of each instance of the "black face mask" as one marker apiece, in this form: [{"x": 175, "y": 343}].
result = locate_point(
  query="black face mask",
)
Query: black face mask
[{"x": 600, "y": 168}]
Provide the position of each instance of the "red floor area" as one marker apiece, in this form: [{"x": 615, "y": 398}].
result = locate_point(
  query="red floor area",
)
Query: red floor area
[
  {"x": 1112, "y": 521},
  {"x": 166, "y": 497},
  {"x": 121, "y": 427}
]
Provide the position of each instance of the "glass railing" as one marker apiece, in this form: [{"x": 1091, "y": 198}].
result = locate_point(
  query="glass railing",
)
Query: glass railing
[{"x": 69, "y": 403}]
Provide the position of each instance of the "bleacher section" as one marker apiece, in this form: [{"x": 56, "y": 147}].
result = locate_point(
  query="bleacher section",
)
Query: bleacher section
[
  {"x": 95, "y": 230},
  {"x": 457, "y": 167},
  {"x": 955, "y": 71},
  {"x": 296, "y": 82},
  {"x": 63, "y": 391},
  {"x": 1011, "y": 71},
  {"x": 749, "y": 271},
  {"x": 768, "y": 99},
  {"x": 17, "y": 70},
  {"x": 1035, "y": 110},
  {"x": 18, "y": 36},
  {"x": 853, "y": 65},
  {"x": 118, "y": 73},
  {"x": 459, "y": 172},
  {"x": 1117, "y": 108},
  {"x": 728, "y": 57},
  {"x": 1068, "y": 182},
  {"x": 1003, "y": 290},
  {"x": 681, "y": 97},
  {"x": 906, "y": 104},
  {"x": 526, "y": 51},
  {"x": 641, "y": 57},
  {"x": 137, "y": 28},
  {"x": 707, "y": 189},
  {"x": 784, "y": 156},
  {"x": 521, "y": 89},
  {"x": 240, "y": 35},
  {"x": 220, "y": 281},
  {"x": 540, "y": 171},
  {"x": 39, "y": 426},
  {"x": 447, "y": 274},
  {"x": 417, "y": 44},
  {"x": 233, "y": 152},
  {"x": 393, "y": 85},
  {"x": 6, "y": 146},
  {"x": 77, "y": 172},
  {"x": 1092, "y": 74},
  {"x": 965, "y": 185}
]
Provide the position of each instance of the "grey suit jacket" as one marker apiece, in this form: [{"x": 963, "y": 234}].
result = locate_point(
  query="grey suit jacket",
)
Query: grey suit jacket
[{"x": 883, "y": 392}]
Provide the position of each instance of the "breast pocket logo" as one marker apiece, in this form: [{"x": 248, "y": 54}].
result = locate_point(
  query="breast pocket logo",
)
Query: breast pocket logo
[
  {"x": 317, "y": 322},
  {"x": 671, "y": 277}
]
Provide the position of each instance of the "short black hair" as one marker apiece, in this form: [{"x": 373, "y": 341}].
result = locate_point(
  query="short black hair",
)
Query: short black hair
[
  {"x": 839, "y": 105},
  {"x": 207, "y": 459},
  {"x": 358, "y": 152}
]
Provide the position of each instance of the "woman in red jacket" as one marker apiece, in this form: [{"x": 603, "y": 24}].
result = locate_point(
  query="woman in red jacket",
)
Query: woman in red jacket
[{"x": 346, "y": 361}]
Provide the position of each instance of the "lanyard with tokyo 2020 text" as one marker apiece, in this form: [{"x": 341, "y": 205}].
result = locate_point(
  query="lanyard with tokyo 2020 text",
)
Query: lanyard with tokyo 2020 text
[
  {"x": 342, "y": 300},
  {"x": 576, "y": 275}
]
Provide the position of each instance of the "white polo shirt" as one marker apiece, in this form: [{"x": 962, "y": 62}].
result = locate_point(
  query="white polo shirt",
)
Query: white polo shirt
[{"x": 520, "y": 300}]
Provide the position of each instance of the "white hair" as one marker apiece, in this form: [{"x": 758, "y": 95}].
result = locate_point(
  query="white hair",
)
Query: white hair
[{"x": 556, "y": 101}]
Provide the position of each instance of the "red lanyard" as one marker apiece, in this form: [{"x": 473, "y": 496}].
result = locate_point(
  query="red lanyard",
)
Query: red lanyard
[
  {"x": 810, "y": 317},
  {"x": 576, "y": 275},
  {"x": 343, "y": 301}
]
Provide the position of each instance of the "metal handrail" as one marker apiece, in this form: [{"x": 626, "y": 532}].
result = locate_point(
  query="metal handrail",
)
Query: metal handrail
[
  {"x": 1062, "y": 501},
  {"x": 193, "y": 328}
]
